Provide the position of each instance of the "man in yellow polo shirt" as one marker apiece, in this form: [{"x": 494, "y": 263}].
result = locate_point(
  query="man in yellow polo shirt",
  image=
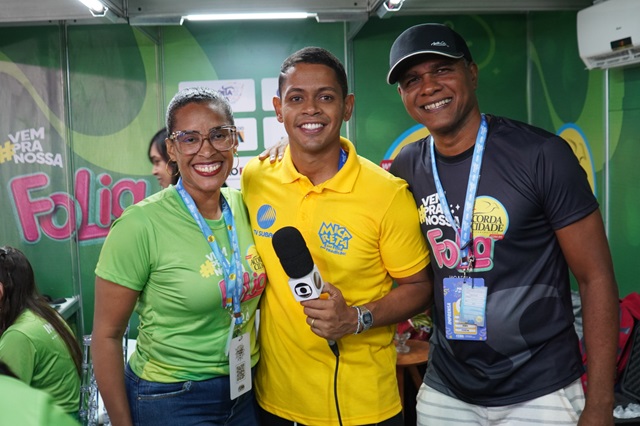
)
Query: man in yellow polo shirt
[{"x": 362, "y": 230}]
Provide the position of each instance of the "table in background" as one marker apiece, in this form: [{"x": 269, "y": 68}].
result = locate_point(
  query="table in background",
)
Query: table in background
[
  {"x": 69, "y": 307},
  {"x": 71, "y": 312}
]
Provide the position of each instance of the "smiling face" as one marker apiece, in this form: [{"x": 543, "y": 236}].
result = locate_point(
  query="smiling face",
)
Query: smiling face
[
  {"x": 439, "y": 93},
  {"x": 204, "y": 172},
  {"x": 312, "y": 108}
]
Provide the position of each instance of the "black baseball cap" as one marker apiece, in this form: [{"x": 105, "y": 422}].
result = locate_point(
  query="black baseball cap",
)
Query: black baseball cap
[{"x": 423, "y": 39}]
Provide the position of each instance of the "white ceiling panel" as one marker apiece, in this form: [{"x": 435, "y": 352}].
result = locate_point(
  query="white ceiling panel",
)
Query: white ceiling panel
[{"x": 141, "y": 12}]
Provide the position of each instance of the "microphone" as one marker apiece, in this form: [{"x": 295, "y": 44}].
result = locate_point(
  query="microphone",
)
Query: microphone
[{"x": 304, "y": 278}]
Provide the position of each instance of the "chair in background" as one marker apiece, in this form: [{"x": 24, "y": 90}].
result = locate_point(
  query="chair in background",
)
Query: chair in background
[{"x": 630, "y": 384}]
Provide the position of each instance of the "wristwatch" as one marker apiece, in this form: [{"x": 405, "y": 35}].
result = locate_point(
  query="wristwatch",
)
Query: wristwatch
[{"x": 365, "y": 318}]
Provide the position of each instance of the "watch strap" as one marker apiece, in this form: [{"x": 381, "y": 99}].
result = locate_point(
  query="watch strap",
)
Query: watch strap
[
  {"x": 359, "y": 325},
  {"x": 365, "y": 319}
]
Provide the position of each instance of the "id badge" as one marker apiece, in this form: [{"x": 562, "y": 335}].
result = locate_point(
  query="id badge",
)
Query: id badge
[
  {"x": 240, "y": 365},
  {"x": 473, "y": 325},
  {"x": 473, "y": 303}
]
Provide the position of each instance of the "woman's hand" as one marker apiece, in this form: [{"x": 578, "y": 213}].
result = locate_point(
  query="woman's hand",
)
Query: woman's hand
[{"x": 275, "y": 151}]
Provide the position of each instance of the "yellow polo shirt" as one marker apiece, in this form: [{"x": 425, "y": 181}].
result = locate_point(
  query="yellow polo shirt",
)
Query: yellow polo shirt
[{"x": 362, "y": 228}]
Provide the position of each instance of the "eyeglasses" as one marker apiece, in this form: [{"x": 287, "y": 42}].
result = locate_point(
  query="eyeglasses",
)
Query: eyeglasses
[{"x": 222, "y": 138}]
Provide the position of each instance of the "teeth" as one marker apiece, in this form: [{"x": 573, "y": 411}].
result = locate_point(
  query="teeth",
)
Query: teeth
[
  {"x": 207, "y": 168},
  {"x": 311, "y": 126},
  {"x": 437, "y": 104}
]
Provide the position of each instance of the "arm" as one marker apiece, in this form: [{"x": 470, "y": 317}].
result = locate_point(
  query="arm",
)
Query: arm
[
  {"x": 412, "y": 296},
  {"x": 584, "y": 245},
  {"x": 113, "y": 307},
  {"x": 333, "y": 318}
]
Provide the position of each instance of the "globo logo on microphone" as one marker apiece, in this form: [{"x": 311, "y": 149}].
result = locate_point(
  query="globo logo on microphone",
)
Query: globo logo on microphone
[
  {"x": 303, "y": 290},
  {"x": 307, "y": 287}
]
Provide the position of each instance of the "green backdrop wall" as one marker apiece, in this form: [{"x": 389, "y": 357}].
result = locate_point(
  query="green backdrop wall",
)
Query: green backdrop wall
[{"x": 79, "y": 103}]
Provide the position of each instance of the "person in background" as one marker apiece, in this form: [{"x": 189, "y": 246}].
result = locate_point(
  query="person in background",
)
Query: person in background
[
  {"x": 186, "y": 256},
  {"x": 35, "y": 342},
  {"x": 362, "y": 231},
  {"x": 163, "y": 169},
  {"x": 25, "y": 406},
  {"x": 507, "y": 211}
]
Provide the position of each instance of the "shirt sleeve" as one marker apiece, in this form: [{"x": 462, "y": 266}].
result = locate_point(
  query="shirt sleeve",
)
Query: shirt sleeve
[
  {"x": 126, "y": 254},
  {"x": 18, "y": 352},
  {"x": 566, "y": 194},
  {"x": 403, "y": 247}
]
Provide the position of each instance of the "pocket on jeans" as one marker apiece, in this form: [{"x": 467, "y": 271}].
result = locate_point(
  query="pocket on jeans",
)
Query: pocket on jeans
[{"x": 149, "y": 391}]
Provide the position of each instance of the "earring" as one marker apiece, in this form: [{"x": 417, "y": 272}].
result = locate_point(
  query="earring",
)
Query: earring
[
  {"x": 237, "y": 157},
  {"x": 169, "y": 171}
]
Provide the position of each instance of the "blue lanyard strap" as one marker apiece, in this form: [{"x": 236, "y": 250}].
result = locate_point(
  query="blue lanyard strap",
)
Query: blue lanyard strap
[
  {"x": 232, "y": 270},
  {"x": 464, "y": 230},
  {"x": 342, "y": 159}
]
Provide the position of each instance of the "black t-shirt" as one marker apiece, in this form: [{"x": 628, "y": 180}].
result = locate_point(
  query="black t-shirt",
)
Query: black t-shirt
[{"x": 531, "y": 184}]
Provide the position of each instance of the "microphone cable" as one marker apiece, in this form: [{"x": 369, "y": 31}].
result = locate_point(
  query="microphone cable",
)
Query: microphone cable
[
  {"x": 336, "y": 352},
  {"x": 296, "y": 260}
]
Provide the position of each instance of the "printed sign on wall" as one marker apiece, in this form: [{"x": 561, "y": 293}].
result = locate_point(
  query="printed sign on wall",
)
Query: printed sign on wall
[
  {"x": 247, "y": 134},
  {"x": 273, "y": 131},
  {"x": 269, "y": 90},
  {"x": 241, "y": 94}
]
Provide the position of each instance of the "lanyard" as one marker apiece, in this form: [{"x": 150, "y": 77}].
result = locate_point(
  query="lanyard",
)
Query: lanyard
[
  {"x": 464, "y": 231},
  {"x": 232, "y": 270},
  {"x": 343, "y": 158}
]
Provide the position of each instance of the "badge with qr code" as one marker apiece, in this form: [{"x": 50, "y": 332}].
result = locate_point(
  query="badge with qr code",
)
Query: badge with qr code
[{"x": 240, "y": 365}]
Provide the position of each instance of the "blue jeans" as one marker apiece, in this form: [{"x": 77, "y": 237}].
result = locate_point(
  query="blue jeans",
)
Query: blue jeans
[{"x": 188, "y": 403}]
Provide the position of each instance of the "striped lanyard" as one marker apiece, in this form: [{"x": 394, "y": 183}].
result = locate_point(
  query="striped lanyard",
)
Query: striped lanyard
[
  {"x": 232, "y": 270},
  {"x": 464, "y": 230}
]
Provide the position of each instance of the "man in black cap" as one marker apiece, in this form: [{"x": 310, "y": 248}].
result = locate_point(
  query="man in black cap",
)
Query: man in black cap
[{"x": 507, "y": 210}]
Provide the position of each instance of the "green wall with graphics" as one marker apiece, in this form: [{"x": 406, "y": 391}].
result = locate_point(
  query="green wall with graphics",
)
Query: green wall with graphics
[
  {"x": 624, "y": 192},
  {"x": 79, "y": 104}
]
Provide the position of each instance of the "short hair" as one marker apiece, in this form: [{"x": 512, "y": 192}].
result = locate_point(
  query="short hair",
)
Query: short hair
[
  {"x": 200, "y": 95},
  {"x": 314, "y": 55}
]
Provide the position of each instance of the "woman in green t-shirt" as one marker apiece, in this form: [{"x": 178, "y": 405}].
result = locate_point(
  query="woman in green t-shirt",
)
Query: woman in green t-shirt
[
  {"x": 35, "y": 342},
  {"x": 184, "y": 259}
]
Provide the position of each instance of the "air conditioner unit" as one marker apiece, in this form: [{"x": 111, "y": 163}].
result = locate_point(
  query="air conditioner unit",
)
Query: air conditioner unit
[{"x": 609, "y": 34}]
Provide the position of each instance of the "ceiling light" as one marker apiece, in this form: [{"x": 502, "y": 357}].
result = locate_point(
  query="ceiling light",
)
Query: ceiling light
[
  {"x": 389, "y": 6},
  {"x": 95, "y": 7},
  {"x": 249, "y": 16}
]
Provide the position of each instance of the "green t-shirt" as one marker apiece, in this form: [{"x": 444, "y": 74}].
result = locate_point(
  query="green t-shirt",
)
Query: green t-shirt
[
  {"x": 37, "y": 354},
  {"x": 23, "y": 405},
  {"x": 157, "y": 248}
]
